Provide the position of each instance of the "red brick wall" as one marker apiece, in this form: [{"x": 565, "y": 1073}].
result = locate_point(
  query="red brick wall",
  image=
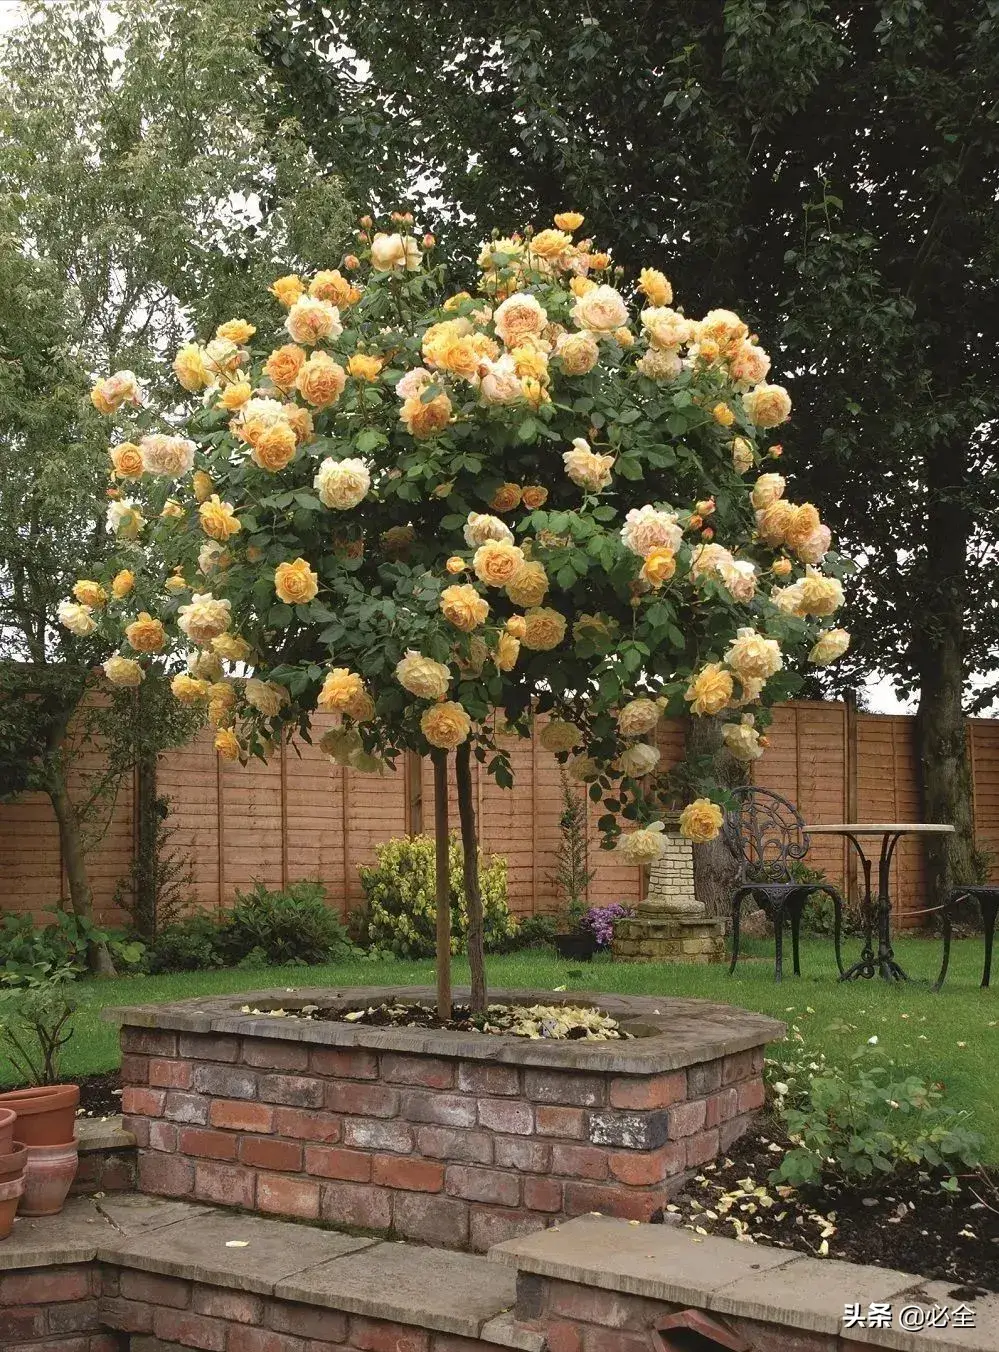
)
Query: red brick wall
[
  {"x": 54, "y": 1309},
  {"x": 462, "y": 1154}
]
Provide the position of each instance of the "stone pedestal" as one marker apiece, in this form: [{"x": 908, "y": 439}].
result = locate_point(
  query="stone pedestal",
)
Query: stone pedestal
[{"x": 670, "y": 925}]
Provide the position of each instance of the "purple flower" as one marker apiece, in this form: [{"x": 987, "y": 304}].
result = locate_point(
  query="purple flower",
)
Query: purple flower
[{"x": 601, "y": 919}]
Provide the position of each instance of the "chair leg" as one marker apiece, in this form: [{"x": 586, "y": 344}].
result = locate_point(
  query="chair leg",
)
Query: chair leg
[
  {"x": 795, "y": 906},
  {"x": 737, "y": 899},
  {"x": 778, "y": 922},
  {"x": 990, "y": 908},
  {"x": 947, "y": 933}
]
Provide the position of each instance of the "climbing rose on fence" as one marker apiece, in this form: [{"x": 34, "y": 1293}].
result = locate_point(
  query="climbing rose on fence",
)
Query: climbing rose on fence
[{"x": 412, "y": 507}]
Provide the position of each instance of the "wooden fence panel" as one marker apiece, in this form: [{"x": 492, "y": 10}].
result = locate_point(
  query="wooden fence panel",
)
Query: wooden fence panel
[{"x": 301, "y": 817}]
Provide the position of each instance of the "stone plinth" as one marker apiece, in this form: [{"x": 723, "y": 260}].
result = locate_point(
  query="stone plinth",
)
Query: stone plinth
[
  {"x": 670, "y": 924},
  {"x": 450, "y": 1138}
]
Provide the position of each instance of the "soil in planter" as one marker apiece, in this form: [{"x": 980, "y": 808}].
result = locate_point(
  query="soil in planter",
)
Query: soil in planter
[
  {"x": 100, "y": 1095},
  {"x": 536, "y": 1021},
  {"x": 906, "y": 1222}
]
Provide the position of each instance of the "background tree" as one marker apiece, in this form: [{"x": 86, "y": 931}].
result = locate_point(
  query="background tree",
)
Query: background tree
[
  {"x": 830, "y": 168},
  {"x": 142, "y": 182}
]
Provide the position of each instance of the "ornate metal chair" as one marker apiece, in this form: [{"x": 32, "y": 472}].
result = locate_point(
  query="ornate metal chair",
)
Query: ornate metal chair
[
  {"x": 988, "y": 900},
  {"x": 766, "y": 835}
]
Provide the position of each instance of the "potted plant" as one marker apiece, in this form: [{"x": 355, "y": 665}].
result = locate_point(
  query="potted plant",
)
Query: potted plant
[
  {"x": 34, "y": 1027},
  {"x": 13, "y": 1161},
  {"x": 571, "y": 877}
]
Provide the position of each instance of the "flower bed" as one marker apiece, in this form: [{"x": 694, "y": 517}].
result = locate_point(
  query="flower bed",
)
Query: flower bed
[{"x": 451, "y": 1137}]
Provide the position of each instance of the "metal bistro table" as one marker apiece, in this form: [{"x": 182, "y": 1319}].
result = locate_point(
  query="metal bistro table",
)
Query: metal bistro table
[{"x": 877, "y": 911}]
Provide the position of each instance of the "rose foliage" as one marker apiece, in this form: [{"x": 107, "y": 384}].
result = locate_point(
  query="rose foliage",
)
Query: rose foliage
[{"x": 411, "y": 509}]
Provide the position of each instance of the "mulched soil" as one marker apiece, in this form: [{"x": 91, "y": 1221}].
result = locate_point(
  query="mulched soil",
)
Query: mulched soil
[
  {"x": 538, "y": 1021},
  {"x": 100, "y": 1095},
  {"x": 909, "y": 1223}
]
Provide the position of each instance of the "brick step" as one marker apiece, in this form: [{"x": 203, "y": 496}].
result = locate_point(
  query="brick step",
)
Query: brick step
[
  {"x": 170, "y": 1273},
  {"x": 107, "y": 1156}
]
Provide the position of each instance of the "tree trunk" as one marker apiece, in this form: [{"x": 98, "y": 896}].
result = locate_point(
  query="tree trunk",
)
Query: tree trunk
[
  {"x": 470, "y": 870},
  {"x": 80, "y": 895},
  {"x": 439, "y": 759},
  {"x": 707, "y": 760},
  {"x": 939, "y": 658}
]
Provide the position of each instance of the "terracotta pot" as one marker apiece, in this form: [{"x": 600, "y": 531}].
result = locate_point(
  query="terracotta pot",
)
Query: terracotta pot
[
  {"x": 48, "y": 1174},
  {"x": 7, "y": 1116},
  {"x": 11, "y": 1192},
  {"x": 12, "y": 1163},
  {"x": 45, "y": 1114}
]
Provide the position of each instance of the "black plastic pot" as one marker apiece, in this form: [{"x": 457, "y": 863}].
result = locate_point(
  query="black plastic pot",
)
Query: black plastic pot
[{"x": 579, "y": 946}]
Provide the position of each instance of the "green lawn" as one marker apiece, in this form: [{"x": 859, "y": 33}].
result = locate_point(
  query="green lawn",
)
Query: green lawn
[{"x": 952, "y": 1037}]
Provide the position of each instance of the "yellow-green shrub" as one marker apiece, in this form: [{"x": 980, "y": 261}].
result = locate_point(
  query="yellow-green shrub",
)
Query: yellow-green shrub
[{"x": 400, "y": 911}]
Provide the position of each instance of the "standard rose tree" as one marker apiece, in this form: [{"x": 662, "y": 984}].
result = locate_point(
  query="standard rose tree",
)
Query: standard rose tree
[{"x": 413, "y": 509}]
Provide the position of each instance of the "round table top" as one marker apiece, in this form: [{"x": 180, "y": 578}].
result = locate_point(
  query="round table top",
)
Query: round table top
[{"x": 879, "y": 828}]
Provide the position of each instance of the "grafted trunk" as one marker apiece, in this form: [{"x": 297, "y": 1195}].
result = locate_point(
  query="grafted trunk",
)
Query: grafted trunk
[
  {"x": 708, "y": 761},
  {"x": 443, "y": 876},
  {"x": 470, "y": 870}
]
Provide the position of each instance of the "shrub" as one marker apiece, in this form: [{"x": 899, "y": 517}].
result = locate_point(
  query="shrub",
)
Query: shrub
[
  {"x": 31, "y": 954},
  {"x": 530, "y": 931},
  {"x": 189, "y": 945},
  {"x": 291, "y": 926},
  {"x": 34, "y": 1027},
  {"x": 400, "y": 912},
  {"x": 865, "y": 1119}
]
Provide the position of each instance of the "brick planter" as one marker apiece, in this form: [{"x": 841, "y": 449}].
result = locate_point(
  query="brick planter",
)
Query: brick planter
[{"x": 459, "y": 1140}]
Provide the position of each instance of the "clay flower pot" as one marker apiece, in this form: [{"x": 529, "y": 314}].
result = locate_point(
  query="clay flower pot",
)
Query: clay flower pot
[
  {"x": 49, "y": 1172},
  {"x": 45, "y": 1114},
  {"x": 11, "y": 1191},
  {"x": 12, "y": 1163},
  {"x": 7, "y": 1116}
]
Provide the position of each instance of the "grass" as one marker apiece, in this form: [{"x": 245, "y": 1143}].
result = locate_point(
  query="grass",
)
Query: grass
[{"x": 952, "y": 1037}]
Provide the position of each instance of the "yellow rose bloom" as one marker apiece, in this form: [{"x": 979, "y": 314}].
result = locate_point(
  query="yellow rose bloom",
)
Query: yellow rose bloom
[
  {"x": 300, "y": 422},
  {"x": 625, "y": 337},
  {"x": 534, "y": 496},
  {"x": 578, "y": 352},
  {"x": 321, "y": 381},
  {"x": 801, "y": 525},
  {"x": 506, "y": 498},
  {"x": 122, "y": 583},
  {"x": 463, "y": 607},
  {"x": 426, "y": 419},
  {"x": 335, "y": 288},
  {"x": 528, "y": 586},
  {"x": 829, "y": 647},
  {"x": 188, "y": 689},
  {"x": 145, "y": 634},
  {"x": 189, "y": 367},
  {"x": 767, "y": 405},
  {"x": 275, "y": 448},
  {"x": 341, "y": 689},
  {"x": 751, "y": 655},
  {"x": 550, "y": 244},
  {"x": 638, "y": 717},
  {"x": 701, "y": 820},
  {"x": 234, "y": 396},
  {"x": 109, "y": 394},
  {"x": 126, "y": 460},
  {"x": 560, "y": 735},
  {"x": 172, "y": 510},
  {"x": 89, "y": 593},
  {"x": 820, "y": 595},
  {"x": 582, "y": 286},
  {"x": 782, "y": 567},
  {"x": 295, "y": 582},
  {"x": 544, "y": 629},
  {"x": 422, "y": 676},
  {"x": 455, "y": 565},
  {"x": 236, "y": 331},
  {"x": 516, "y": 626},
  {"x": 772, "y": 523},
  {"x": 124, "y": 672},
  {"x": 723, "y": 415},
  {"x": 507, "y": 652},
  {"x": 529, "y": 363},
  {"x": 283, "y": 365},
  {"x": 496, "y": 562},
  {"x": 175, "y": 584},
  {"x": 534, "y": 392},
  {"x": 446, "y": 724},
  {"x": 655, "y": 286},
  {"x": 569, "y": 220},
  {"x": 364, "y": 366},
  {"x": 710, "y": 690},
  {"x": 227, "y": 744},
  {"x": 218, "y": 519},
  {"x": 659, "y": 566},
  {"x": 643, "y": 846},
  {"x": 267, "y": 697},
  {"x": 288, "y": 289},
  {"x": 742, "y": 455},
  {"x": 231, "y": 647},
  {"x": 202, "y": 485}
]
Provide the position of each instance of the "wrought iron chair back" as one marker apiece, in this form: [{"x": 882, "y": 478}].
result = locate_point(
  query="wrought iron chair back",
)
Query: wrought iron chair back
[{"x": 766, "y": 835}]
